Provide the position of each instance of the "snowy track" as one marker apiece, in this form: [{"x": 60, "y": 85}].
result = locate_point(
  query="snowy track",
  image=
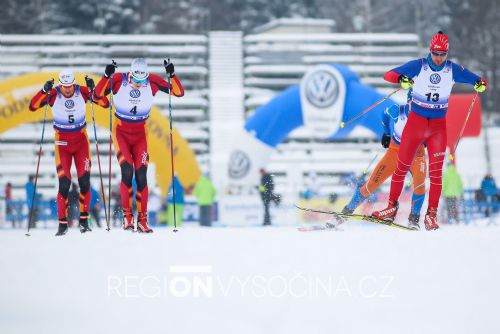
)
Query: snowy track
[{"x": 251, "y": 280}]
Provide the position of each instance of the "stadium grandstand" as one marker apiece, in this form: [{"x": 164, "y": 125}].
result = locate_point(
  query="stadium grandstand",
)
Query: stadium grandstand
[{"x": 226, "y": 76}]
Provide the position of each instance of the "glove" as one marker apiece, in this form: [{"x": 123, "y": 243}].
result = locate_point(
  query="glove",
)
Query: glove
[
  {"x": 405, "y": 82},
  {"x": 169, "y": 67},
  {"x": 47, "y": 87},
  {"x": 90, "y": 83},
  {"x": 386, "y": 140},
  {"x": 110, "y": 69},
  {"x": 480, "y": 86}
]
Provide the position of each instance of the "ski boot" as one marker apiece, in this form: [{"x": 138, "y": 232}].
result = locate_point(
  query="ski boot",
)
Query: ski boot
[
  {"x": 128, "y": 220},
  {"x": 142, "y": 223},
  {"x": 413, "y": 221},
  {"x": 62, "y": 229},
  {"x": 389, "y": 213},
  {"x": 84, "y": 223},
  {"x": 430, "y": 220}
]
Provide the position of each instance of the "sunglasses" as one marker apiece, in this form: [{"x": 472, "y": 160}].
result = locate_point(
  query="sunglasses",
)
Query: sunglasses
[
  {"x": 439, "y": 54},
  {"x": 135, "y": 80}
]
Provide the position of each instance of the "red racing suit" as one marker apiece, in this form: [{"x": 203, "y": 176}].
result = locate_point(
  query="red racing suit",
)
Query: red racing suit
[
  {"x": 71, "y": 142},
  {"x": 426, "y": 121},
  {"x": 132, "y": 108}
]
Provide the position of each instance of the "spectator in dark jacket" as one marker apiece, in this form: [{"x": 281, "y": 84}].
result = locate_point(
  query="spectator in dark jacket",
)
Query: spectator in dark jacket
[
  {"x": 32, "y": 199},
  {"x": 266, "y": 190},
  {"x": 489, "y": 190}
]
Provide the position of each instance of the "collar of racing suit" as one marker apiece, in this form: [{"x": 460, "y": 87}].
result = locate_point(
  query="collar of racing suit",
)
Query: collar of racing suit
[{"x": 433, "y": 66}]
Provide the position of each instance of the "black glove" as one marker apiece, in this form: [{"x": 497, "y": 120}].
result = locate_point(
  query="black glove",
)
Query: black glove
[
  {"x": 169, "y": 67},
  {"x": 110, "y": 69},
  {"x": 90, "y": 83},
  {"x": 386, "y": 140},
  {"x": 47, "y": 87}
]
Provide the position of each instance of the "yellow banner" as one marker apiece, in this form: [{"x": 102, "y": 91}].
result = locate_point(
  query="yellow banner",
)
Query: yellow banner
[{"x": 15, "y": 96}]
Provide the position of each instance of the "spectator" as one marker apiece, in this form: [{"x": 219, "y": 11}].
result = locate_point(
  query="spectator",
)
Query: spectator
[
  {"x": 179, "y": 202},
  {"x": 489, "y": 190},
  {"x": 117, "y": 212},
  {"x": 8, "y": 203},
  {"x": 73, "y": 204},
  {"x": 95, "y": 205},
  {"x": 267, "y": 195},
  {"x": 311, "y": 186},
  {"x": 452, "y": 191},
  {"x": 205, "y": 192},
  {"x": 32, "y": 199},
  {"x": 154, "y": 207}
]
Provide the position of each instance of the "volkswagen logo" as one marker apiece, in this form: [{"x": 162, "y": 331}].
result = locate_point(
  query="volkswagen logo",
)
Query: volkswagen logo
[
  {"x": 239, "y": 165},
  {"x": 135, "y": 93},
  {"x": 322, "y": 89},
  {"x": 69, "y": 104},
  {"x": 435, "y": 78}
]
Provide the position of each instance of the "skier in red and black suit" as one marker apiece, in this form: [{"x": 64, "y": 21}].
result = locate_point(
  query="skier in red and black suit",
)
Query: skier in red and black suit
[
  {"x": 432, "y": 79},
  {"x": 133, "y": 94},
  {"x": 68, "y": 101}
]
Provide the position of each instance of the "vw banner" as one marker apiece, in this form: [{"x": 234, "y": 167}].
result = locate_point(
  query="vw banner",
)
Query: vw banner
[{"x": 322, "y": 96}]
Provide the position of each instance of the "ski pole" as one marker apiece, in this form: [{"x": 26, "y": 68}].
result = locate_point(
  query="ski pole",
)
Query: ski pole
[
  {"x": 171, "y": 138},
  {"x": 371, "y": 163},
  {"x": 98, "y": 155},
  {"x": 343, "y": 124},
  {"x": 463, "y": 127},
  {"x": 38, "y": 163},
  {"x": 110, "y": 142}
]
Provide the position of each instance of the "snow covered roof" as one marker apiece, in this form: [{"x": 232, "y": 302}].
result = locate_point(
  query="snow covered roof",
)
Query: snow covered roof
[{"x": 298, "y": 24}]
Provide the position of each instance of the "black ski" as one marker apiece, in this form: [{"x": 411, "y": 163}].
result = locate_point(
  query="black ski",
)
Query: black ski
[{"x": 356, "y": 216}]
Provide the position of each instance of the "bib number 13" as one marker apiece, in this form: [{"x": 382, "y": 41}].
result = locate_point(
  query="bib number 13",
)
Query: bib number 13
[{"x": 434, "y": 97}]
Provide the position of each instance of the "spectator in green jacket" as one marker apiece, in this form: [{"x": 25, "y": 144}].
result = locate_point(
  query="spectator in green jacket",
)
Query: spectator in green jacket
[
  {"x": 205, "y": 192},
  {"x": 452, "y": 191}
]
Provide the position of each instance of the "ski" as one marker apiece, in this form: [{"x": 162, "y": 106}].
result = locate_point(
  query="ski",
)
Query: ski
[
  {"x": 320, "y": 227},
  {"x": 357, "y": 216}
]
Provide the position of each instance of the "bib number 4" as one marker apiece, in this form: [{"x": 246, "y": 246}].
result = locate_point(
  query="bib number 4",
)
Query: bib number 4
[
  {"x": 434, "y": 97},
  {"x": 134, "y": 110}
]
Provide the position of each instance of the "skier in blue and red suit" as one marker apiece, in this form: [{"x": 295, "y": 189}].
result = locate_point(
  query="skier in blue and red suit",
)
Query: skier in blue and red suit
[{"x": 432, "y": 79}]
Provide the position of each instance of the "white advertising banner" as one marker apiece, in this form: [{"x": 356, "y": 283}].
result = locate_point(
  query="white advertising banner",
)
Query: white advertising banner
[
  {"x": 247, "y": 157},
  {"x": 322, "y": 95}
]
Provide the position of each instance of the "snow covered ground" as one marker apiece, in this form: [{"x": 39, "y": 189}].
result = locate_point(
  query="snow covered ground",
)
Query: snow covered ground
[{"x": 252, "y": 280}]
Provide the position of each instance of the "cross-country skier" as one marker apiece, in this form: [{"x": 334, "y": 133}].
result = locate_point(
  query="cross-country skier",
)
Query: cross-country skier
[
  {"x": 398, "y": 115},
  {"x": 68, "y": 103},
  {"x": 432, "y": 79},
  {"x": 133, "y": 94}
]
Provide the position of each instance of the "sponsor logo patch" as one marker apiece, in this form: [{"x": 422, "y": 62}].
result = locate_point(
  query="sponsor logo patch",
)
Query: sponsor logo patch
[
  {"x": 69, "y": 104},
  {"x": 135, "y": 93}
]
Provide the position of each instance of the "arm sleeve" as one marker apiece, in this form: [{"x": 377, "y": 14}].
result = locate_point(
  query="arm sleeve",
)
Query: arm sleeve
[
  {"x": 386, "y": 122},
  {"x": 102, "y": 89},
  {"x": 40, "y": 100},
  {"x": 411, "y": 69},
  {"x": 103, "y": 101},
  {"x": 85, "y": 93},
  {"x": 463, "y": 75},
  {"x": 158, "y": 83}
]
